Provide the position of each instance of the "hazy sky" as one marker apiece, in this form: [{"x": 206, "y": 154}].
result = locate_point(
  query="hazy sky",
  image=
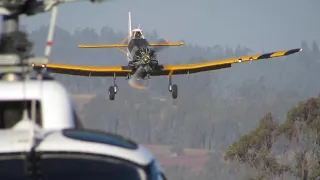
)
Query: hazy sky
[{"x": 257, "y": 24}]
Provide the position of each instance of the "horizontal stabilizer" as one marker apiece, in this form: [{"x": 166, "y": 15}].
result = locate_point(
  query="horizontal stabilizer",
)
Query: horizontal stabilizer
[
  {"x": 167, "y": 44},
  {"x": 102, "y": 45}
]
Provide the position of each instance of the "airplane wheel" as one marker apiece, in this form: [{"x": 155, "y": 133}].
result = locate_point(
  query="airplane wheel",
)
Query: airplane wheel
[
  {"x": 112, "y": 94},
  {"x": 174, "y": 91}
]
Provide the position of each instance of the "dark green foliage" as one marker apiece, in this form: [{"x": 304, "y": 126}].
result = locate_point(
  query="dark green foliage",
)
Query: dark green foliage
[{"x": 301, "y": 128}]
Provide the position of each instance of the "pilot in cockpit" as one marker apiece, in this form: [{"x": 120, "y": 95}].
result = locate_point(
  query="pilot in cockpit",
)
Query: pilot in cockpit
[{"x": 137, "y": 35}]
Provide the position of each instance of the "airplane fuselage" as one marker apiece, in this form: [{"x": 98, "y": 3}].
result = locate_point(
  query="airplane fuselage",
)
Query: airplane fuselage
[
  {"x": 141, "y": 56},
  {"x": 134, "y": 43}
]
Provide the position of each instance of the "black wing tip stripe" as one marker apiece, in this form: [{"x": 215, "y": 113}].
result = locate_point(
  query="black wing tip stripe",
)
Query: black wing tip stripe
[
  {"x": 268, "y": 55},
  {"x": 292, "y": 51},
  {"x": 265, "y": 56}
]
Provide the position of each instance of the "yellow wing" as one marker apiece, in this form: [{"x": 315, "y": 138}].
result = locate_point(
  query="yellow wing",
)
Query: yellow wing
[
  {"x": 167, "y": 44},
  {"x": 121, "y": 71},
  {"x": 102, "y": 45},
  {"x": 126, "y": 45},
  {"x": 169, "y": 70},
  {"x": 213, "y": 65}
]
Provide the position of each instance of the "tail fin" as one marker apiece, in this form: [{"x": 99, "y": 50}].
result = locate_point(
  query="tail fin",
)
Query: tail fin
[
  {"x": 129, "y": 27},
  {"x": 52, "y": 24},
  {"x": 129, "y": 36}
]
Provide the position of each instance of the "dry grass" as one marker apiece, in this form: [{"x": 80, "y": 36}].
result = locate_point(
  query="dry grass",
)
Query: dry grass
[
  {"x": 165, "y": 150},
  {"x": 194, "y": 159},
  {"x": 81, "y": 99}
]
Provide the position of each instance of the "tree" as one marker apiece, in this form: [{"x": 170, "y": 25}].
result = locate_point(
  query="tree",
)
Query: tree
[
  {"x": 315, "y": 47},
  {"x": 301, "y": 129}
]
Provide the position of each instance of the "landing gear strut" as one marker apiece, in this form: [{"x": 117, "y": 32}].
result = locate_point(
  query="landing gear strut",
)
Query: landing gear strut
[
  {"x": 128, "y": 76},
  {"x": 113, "y": 89},
  {"x": 173, "y": 88}
]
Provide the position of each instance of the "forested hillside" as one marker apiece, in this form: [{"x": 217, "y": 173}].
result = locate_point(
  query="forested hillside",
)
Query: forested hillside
[
  {"x": 213, "y": 109},
  {"x": 282, "y": 149}
]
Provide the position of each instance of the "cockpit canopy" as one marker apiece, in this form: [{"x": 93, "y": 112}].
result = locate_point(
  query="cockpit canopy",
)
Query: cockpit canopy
[{"x": 137, "y": 34}]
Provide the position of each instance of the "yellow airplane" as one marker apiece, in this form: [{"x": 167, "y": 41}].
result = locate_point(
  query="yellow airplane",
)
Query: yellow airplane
[{"x": 143, "y": 63}]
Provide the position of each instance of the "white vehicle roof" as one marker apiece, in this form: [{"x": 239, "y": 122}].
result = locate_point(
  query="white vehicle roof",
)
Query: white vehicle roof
[
  {"x": 72, "y": 153},
  {"x": 56, "y": 108},
  {"x": 18, "y": 140}
]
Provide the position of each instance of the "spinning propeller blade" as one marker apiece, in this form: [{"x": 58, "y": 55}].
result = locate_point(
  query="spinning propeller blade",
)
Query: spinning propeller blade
[
  {"x": 135, "y": 82},
  {"x": 159, "y": 48}
]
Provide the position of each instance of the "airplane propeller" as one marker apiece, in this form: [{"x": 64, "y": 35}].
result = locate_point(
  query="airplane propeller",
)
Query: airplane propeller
[
  {"x": 134, "y": 80},
  {"x": 160, "y": 48},
  {"x": 150, "y": 53}
]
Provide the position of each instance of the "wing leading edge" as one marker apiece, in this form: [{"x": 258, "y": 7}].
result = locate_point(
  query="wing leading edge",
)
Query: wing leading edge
[
  {"x": 126, "y": 45},
  {"x": 217, "y": 64},
  {"x": 78, "y": 70},
  {"x": 169, "y": 70}
]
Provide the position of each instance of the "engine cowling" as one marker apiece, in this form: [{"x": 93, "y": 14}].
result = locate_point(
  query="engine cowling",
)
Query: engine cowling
[
  {"x": 146, "y": 57},
  {"x": 142, "y": 55}
]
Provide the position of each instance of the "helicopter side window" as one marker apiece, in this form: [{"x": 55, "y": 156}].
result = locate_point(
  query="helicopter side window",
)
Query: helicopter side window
[{"x": 11, "y": 112}]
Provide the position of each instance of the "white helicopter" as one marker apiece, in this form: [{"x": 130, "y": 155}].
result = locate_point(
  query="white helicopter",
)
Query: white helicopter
[{"x": 41, "y": 136}]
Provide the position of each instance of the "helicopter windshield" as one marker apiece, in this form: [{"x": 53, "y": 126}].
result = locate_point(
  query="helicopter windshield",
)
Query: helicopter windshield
[{"x": 66, "y": 166}]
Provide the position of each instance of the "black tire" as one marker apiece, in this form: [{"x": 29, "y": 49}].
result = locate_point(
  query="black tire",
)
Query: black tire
[
  {"x": 174, "y": 91},
  {"x": 111, "y": 93}
]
